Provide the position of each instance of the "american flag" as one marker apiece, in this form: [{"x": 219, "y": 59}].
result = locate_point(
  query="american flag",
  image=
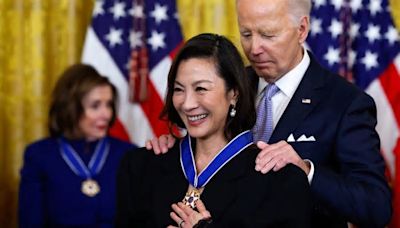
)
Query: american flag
[
  {"x": 357, "y": 39},
  {"x": 147, "y": 30}
]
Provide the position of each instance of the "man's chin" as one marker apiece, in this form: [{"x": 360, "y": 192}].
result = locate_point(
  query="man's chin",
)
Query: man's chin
[
  {"x": 262, "y": 71},
  {"x": 266, "y": 74}
]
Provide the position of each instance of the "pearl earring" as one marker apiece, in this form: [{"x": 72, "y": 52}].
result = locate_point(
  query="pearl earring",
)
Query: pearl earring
[{"x": 232, "y": 113}]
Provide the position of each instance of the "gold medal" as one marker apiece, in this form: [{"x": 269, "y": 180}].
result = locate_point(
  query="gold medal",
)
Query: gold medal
[
  {"x": 191, "y": 198},
  {"x": 90, "y": 188}
]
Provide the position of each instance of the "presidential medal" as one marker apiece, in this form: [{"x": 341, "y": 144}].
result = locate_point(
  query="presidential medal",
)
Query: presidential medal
[
  {"x": 198, "y": 181},
  {"x": 191, "y": 198},
  {"x": 90, "y": 188}
]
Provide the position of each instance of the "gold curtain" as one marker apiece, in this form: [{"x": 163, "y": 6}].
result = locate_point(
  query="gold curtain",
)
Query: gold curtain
[
  {"x": 38, "y": 39},
  {"x": 214, "y": 16},
  {"x": 395, "y": 7}
]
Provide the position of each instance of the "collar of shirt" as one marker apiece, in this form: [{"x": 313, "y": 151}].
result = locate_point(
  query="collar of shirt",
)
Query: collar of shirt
[{"x": 287, "y": 86}]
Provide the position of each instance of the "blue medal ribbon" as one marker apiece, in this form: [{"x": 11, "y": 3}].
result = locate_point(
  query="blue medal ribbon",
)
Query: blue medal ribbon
[
  {"x": 76, "y": 164},
  {"x": 233, "y": 148}
]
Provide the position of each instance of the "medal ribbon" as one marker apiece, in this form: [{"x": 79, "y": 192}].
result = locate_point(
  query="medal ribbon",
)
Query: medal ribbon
[
  {"x": 233, "y": 148},
  {"x": 76, "y": 164}
]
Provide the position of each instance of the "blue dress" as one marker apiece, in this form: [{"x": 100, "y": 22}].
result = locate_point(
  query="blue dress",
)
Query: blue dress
[{"x": 50, "y": 192}]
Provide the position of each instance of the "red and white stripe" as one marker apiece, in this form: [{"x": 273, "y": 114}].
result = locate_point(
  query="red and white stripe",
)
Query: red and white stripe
[
  {"x": 386, "y": 93},
  {"x": 137, "y": 121}
]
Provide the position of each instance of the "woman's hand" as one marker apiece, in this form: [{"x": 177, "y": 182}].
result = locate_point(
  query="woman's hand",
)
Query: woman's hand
[{"x": 186, "y": 217}]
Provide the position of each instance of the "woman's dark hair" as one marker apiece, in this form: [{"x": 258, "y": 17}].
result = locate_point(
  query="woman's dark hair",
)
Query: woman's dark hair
[
  {"x": 66, "y": 107},
  {"x": 230, "y": 68}
]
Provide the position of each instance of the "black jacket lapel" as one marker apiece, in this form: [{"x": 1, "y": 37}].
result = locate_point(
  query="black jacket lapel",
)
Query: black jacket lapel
[
  {"x": 307, "y": 96},
  {"x": 221, "y": 191},
  {"x": 171, "y": 187}
]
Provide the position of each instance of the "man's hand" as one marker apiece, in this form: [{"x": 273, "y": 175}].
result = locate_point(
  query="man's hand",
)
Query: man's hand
[
  {"x": 278, "y": 155},
  {"x": 161, "y": 145}
]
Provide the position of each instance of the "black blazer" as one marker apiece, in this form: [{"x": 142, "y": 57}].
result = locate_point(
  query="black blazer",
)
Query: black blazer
[
  {"x": 349, "y": 182},
  {"x": 237, "y": 196}
]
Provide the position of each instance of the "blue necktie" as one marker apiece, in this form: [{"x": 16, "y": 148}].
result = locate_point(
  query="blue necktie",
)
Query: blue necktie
[{"x": 263, "y": 129}]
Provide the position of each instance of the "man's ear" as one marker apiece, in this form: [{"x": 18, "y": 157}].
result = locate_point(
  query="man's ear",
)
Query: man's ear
[{"x": 303, "y": 29}]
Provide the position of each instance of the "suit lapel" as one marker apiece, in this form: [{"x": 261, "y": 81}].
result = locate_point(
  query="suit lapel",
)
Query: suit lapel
[
  {"x": 176, "y": 185},
  {"x": 172, "y": 184},
  {"x": 221, "y": 191},
  {"x": 311, "y": 87}
]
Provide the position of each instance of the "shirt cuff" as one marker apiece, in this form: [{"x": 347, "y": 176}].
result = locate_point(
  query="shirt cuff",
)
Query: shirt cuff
[{"x": 311, "y": 173}]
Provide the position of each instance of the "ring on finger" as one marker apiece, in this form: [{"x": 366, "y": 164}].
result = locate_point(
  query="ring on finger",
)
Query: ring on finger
[{"x": 181, "y": 223}]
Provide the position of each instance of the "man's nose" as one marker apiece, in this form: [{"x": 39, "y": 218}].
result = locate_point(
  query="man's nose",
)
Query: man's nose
[{"x": 255, "y": 45}]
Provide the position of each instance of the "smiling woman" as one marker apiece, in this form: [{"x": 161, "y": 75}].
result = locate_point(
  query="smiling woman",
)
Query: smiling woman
[
  {"x": 209, "y": 176},
  {"x": 200, "y": 98}
]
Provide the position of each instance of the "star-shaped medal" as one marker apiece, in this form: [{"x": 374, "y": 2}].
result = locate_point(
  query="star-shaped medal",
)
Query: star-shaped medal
[{"x": 191, "y": 198}]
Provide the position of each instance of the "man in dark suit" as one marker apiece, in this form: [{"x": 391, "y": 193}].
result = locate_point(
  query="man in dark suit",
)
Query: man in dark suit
[{"x": 320, "y": 122}]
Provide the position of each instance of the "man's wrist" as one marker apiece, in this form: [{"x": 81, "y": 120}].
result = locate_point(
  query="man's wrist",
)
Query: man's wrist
[
  {"x": 310, "y": 173},
  {"x": 307, "y": 166}
]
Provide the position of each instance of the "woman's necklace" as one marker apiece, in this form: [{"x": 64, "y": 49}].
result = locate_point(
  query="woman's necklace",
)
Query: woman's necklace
[
  {"x": 89, "y": 186},
  {"x": 198, "y": 181}
]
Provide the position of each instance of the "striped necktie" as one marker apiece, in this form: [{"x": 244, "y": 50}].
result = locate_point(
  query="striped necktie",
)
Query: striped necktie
[{"x": 263, "y": 129}]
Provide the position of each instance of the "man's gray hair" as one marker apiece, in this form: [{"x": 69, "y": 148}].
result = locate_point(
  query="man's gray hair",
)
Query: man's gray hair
[{"x": 299, "y": 9}]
